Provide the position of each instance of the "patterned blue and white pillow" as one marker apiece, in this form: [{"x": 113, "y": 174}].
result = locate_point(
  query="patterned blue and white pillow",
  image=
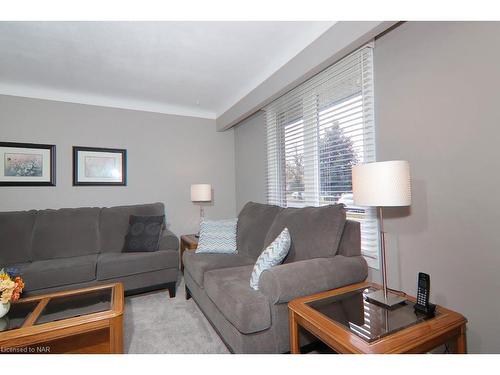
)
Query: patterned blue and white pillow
[
  {"x": 218, "y": 236},
  {"x": 271, "y": 256}
]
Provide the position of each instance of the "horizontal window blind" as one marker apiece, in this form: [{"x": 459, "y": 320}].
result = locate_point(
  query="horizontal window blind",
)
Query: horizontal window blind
[{"x": 316, "y": 133}]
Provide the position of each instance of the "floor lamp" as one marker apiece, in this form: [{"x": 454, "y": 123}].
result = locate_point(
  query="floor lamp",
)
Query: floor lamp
[{"x": 382, "y": 184}]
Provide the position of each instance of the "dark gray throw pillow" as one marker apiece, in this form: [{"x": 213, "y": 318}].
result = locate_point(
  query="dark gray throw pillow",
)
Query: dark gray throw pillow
[{"x": 143, "y": 233}]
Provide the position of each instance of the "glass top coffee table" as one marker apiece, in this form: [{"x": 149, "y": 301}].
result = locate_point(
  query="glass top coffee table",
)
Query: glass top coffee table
[
  {"x": 51, "y": 323},
  {"x": 348, "y": 323}
]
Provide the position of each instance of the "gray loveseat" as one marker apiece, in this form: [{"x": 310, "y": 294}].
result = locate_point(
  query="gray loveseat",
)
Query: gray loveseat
[
  {"x": 325, "y": 254},
  {"x": 77, "y": 247}
]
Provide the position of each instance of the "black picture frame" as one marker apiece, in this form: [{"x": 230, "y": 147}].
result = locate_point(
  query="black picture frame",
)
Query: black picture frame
[
  {"x": 77, "y": 182},
  {"x": 52, "y": 164}
]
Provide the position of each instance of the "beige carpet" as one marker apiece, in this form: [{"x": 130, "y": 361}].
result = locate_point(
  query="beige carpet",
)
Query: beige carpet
[{"x": 155, "y": 323}]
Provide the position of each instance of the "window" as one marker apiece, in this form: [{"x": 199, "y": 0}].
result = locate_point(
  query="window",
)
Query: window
[{"x": 316, "y": 133}]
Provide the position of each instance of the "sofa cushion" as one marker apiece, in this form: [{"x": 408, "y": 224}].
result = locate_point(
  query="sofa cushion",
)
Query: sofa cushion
[
  {"x": 197, "y": 264},
  {"x": 350, "y": 242},
  {"x": 315, "y": 231},
  {"x": 254, "y": 222},
  {"x": 114, "y": 223},
  {"x": 58, "y": 272},
  {"x": 248, "y": 310},
  {"x": 111, "y": 265},
  {"x": 16, "y": 229},
  {"x": 67, "y": 232}
]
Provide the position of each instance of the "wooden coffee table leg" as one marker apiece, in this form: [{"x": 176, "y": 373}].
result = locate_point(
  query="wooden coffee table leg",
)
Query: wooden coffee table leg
[{"x": 294, "y": 333}]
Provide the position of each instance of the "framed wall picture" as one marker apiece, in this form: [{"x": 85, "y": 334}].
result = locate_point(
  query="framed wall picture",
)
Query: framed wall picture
[
  {"x": 27, "y": 164},
  {"x": 99, "y": 166}
]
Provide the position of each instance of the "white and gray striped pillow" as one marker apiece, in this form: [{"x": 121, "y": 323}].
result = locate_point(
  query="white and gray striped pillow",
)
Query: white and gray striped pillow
[
  {"x": 272, "y": 255},
  {"x": 218, "y": 236}
]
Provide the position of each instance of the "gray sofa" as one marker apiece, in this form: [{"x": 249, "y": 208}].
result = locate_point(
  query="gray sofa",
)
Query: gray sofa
[
  {"x": 77, "y": 247},
  {"x": 325, "y": 254}
]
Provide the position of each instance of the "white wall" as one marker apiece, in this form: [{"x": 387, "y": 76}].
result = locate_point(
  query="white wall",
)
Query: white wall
[
  {"x": 250, "y": 160},
  {"x": 340, "y": 39},
  {"x": 436, "y": 95},
  {"x": 165, "y": 155}
]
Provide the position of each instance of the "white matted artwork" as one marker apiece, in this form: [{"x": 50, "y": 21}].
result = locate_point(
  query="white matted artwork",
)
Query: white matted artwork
[
  {"x": 99, "y": 166},
  {"x": 27, "y": 164}
]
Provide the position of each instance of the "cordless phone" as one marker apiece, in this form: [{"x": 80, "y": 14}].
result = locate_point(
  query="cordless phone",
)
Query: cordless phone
[{"x": 423, "y": 290}]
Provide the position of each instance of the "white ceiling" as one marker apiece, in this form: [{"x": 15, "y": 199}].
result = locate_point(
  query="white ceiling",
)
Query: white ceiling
[{"x": 187, "y": 68}]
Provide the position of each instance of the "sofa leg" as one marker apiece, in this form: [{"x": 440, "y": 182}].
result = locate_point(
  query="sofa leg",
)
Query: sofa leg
[
  {"x": 188, "y": 293},
  {"x": 171, "y": 290}
]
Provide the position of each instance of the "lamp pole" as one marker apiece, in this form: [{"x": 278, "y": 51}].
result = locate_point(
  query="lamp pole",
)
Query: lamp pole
[
  {"x": 382, "y": 253},
  {"x": 202, "y": 213},
  {"x": 383, "y": 297}
]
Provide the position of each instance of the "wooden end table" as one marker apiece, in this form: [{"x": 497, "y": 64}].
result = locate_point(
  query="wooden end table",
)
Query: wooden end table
[
  {"x": 188, "y": 242},
  {"x": 347, "y": 323},
  {"x": 88, "y": 320}
]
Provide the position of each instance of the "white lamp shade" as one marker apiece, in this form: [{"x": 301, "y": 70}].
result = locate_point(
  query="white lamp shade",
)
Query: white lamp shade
[
  {"x": 201, "y": 192},
  {"x": 382, "y": 184}
]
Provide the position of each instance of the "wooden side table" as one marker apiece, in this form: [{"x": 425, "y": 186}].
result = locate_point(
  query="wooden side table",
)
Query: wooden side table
[
  {"x": 347, "y": 323},
  {"x": 188, "y": 242}
]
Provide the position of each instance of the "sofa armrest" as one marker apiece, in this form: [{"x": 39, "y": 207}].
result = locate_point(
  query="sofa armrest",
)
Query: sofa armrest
[
  {"x": 168, "y": 241},
  {"x": 285, "y": 282}
]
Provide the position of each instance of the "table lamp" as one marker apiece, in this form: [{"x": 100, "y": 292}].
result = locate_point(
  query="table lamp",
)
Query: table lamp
[
  {"x": 201, "y": 193},
  {"x": 382, "y": 184}
]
